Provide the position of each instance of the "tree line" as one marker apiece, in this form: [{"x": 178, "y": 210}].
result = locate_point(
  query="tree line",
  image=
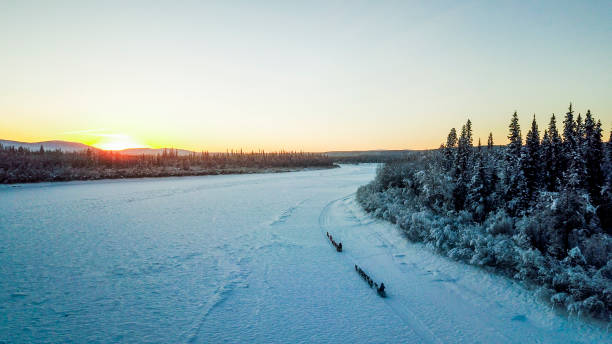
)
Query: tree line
[
  {"x": 538, "y": 210},
  {"x": 19, "y": 165},
  {"x": 572, "y": 163}
]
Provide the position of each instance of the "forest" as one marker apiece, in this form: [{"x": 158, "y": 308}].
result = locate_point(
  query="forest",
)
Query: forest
[
  {"x": 19, "y": 165},
  {"x": 358, "y": 157},
  {"x": 538, "y": 211}
]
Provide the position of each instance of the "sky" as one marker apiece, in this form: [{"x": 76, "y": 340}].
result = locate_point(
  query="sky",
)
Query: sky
[{"x": 296, "y": 75}]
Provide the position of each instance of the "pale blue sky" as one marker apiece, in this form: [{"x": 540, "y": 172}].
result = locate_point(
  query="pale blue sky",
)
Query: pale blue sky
[{"x": 311, "y": 75}]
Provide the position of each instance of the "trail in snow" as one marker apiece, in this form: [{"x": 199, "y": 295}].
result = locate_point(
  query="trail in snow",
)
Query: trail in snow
[
  {"x": 242, "y": 259},
  {"x": 286, "y": 213},
  {"x": 402, "y": 311}
]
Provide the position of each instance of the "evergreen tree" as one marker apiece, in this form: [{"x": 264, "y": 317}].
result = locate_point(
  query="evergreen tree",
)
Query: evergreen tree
[
  {"x": 593, "y": 157},
  {"x": 490, "y": 141},
  {"x": 462, "y": 165},
  {"x": 553, "y": 159},
  {"x": 531, "y": 160},
  {"x": 468, "y": 129},
  {"x": 464, "y": 147},
  {"x": 579, "y": 128},
  {"x": 569, "y": 138},
  {"x": 516, "y": 141},
  {"x": 575, "y": 174},
  {"x": 449, "y": 151},
  {"x": 569, "y": 127},
  {"x": 573, "y": 159},
  {"x": 514, "y": 181},
  {"x": 451, "y": 140}
]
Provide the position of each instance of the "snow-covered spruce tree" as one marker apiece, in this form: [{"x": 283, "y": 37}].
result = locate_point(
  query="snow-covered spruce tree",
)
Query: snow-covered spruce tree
[
  {"x": 449, "y": 149},
  {"x": 513, "y": 149},
  {"x": 531, "y": 161},
  {"x": 514, "y": 180},
  {"x": 570, "y": 139},
  {"x": 552, "y": 151},
  {"x": 573, "y": 157},
  {"x": 464, "y": 148},
  {"x": 593, "y": 158},
  {"x": 462, "y": 165}
]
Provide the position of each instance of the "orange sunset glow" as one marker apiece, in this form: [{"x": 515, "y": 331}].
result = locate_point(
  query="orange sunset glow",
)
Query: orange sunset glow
[
  {"x": 117, "y": 142},
  {"x": 224, "y": 76}
]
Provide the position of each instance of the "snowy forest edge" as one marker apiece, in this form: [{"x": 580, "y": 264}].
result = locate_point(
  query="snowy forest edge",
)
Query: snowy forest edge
[{"x": 538, "y": 212}]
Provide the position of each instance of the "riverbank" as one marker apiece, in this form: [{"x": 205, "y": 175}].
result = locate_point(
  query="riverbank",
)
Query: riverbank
[{"x": 71, "y": 174}]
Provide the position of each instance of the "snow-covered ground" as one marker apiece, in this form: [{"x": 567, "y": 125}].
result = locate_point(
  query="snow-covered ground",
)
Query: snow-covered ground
[{"x": 242, "y": 259}]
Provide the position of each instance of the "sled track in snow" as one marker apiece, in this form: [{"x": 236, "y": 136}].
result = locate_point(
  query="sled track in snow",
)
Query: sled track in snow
[
  {"x": 220, "y": 295},
  {"x": 285, "y": 214},
  {"x": 401, "y": 304},
  {"x": 401, "y": 310}
]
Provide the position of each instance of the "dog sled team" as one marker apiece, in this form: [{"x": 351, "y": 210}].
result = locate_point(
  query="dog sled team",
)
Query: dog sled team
[
  {"x": 379, "y": 289},
  {"x": 338, "y": 246}
]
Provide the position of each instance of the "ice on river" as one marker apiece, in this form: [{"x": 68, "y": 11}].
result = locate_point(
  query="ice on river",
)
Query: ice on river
[{"x": 241, "y": 259}]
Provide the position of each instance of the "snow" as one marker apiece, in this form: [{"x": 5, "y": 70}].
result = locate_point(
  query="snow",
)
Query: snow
[{"x": 239, "y": 259}]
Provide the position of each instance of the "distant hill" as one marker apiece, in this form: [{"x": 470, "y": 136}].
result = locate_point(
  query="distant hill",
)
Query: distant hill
[
  {"x": 76, "y": 147},
  {"x": 48, "y": 145}
]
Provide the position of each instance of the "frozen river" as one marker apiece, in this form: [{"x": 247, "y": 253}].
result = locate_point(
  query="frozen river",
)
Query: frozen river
[{"x": 241, "y": 259}]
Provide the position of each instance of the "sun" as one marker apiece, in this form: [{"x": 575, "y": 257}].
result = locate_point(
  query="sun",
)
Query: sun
[{"x": 117, "y": 142}]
